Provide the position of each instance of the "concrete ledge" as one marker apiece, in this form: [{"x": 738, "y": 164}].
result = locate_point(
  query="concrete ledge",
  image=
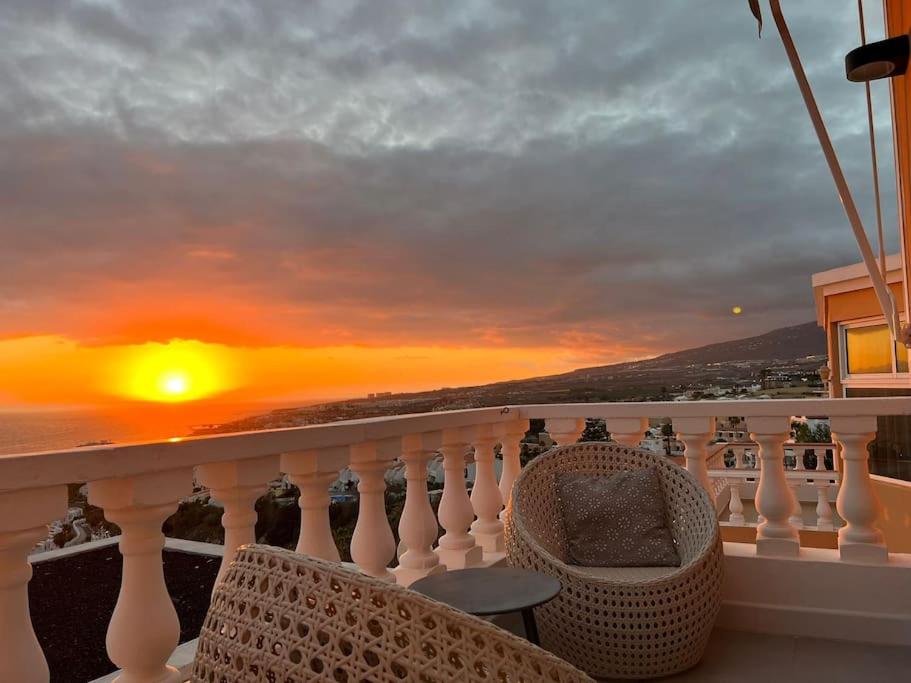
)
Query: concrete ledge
[
  {"x": 179, "y": 544},
  {"x": 211, "y": 549},
  {"x": 72, "y": 550},
  {"x": 181, "y": 659},
  {"x": 818, "y": 595}
]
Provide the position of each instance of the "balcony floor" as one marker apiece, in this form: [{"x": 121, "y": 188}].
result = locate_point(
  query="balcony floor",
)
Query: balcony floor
[{"x": 747, "y": 657}]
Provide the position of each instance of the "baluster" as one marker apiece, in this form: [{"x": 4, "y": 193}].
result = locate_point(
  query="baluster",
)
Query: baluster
[
  {"x": 626, "y": 431},
  {"x": 735, "y": 506},
  {"x": 24, "y": 516},
  {"x": 510, "y": 435},
  {"x": 796, "y": 517},
  {"x": 775, "y": 535},
  {"x": 565, "y": 430},
  {"x": 373, "y": 543},
  {"x": 237, "y": 485},
  {"x": 695, "y": 433},
  {"x": 798, "y": 458},
  {"x": 820, "y": 454},
  {"x": 859, "y": 540},
  {"x": 823, "y": 509},
  {"x": 144, "y": 629},
  {"x": 418, "y": 525},
  {"x": 487, "y": 529},
  {"x": 313, "y": 471},
  {"x": 740, "y": 458},
  {"x": 457, "y": 548}
]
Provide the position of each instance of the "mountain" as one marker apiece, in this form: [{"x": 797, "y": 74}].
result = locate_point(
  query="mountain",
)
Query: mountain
[
  {"x": 796, "y": 350},
  {"x": 786, "y": 355},
  {"x": 786, "y": 343}
]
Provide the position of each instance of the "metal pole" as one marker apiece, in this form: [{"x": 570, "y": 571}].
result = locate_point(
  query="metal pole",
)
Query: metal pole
[{"x": 883, "y": 294}]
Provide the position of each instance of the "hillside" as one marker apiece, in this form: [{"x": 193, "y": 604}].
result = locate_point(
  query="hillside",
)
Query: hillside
[
  {"x": 786, "y": 343},
  {"x": 788, "y": 352}
]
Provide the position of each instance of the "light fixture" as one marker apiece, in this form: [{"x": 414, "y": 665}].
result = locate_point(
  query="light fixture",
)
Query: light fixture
[{"x": 882, "y": 59}]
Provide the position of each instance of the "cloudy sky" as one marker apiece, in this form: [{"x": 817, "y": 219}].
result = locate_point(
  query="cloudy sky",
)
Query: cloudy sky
[{"x": 394, "y": 194}]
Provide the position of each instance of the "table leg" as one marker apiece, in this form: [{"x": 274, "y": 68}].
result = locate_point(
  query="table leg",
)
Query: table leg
[{"x": 531, "y": 628}]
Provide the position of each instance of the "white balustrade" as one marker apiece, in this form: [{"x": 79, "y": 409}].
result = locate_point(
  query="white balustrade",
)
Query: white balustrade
[
  {"x": 740, "y": 458},
  {"x": 735, "y": 505},
  {"x": 144, "y": 629},
  {"x": 824, "y": 520},
  {"x": 418, "y": 525},
  {"x": 24, "y": 516},
  {"x": 457, "y": 548},
  {"x": 487, "y": 529},
  {"x": 695, "y": 433},
  {"x": 798, "y": 458},
  {"x": 775, "y": 535},
  {"x": 313, "y": 471},
  {"x": 626, "y": 431},
  {"x": 796, "y": 517},
  {"x": 373, "y": 543},
  {"x": 237, "y": 485},
  {"x": 139, "y": 486},
  {"x": 565, "y": 431},
  {"x": 859, "y": 540},
  {"x": 510, "y": 435}
]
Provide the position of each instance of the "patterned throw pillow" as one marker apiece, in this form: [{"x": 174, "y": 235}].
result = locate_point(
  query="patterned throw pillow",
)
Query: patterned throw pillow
[{"x": 616, "y": 520}]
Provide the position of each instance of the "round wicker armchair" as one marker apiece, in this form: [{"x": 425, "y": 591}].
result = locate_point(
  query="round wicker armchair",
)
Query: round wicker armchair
[
  {"x": 280, "y": 617},
  {"x": 620, "y": 622}
]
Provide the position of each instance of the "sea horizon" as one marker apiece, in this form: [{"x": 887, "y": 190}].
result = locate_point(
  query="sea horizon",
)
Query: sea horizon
[{"x": 27, "y": 430}]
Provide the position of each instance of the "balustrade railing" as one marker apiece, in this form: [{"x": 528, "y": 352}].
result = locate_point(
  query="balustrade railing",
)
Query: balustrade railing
[{"x": 140, "y": 485}]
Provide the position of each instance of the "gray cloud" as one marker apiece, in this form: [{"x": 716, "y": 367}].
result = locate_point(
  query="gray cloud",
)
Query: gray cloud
[{"x": 597, "y": 173}]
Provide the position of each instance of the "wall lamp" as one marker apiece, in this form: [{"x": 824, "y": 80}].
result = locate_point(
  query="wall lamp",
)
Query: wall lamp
[{"x": 882, "y": 59}]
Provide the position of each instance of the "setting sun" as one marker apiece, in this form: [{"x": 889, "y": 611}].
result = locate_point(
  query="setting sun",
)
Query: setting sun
[
  {"x": 175, "y": 384},
  {"x": 177, "y": 371}
]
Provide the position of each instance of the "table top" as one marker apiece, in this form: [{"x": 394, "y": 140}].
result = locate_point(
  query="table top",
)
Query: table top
[{"x": 495, "y": 590}]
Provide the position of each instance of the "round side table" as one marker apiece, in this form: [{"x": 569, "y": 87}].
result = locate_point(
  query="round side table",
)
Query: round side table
[{"x": 496, "y": 590}]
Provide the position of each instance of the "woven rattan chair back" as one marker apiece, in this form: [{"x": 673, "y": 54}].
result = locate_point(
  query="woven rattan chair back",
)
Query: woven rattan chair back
[
  {"x": 619, "y": 623},
  {"x": 280, "y": 617}
]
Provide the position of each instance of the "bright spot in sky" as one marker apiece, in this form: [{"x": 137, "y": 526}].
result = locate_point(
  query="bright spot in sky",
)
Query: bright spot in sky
[
  {"x": 736, "y": 310},
  {"x": 174, "y": 384},
  {"x": 169, "y": 373}
]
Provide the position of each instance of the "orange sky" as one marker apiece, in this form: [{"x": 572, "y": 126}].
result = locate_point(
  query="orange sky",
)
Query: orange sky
[{"x": 41, "y": 370}]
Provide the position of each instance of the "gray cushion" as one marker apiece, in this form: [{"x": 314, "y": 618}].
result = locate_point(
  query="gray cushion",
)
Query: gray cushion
[{"x": 616, "y": 520}]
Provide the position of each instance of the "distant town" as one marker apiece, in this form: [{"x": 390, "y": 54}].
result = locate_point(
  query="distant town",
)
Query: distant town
[{"x": 784, "y": 363}]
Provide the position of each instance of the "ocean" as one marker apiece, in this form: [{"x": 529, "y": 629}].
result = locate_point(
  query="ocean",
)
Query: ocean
[{"x": 26, "y": 431}]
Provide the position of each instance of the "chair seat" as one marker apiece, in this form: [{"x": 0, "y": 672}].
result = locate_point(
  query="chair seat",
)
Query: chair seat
[
  {"x": 280, "y": 616},
  {"x": 626, "y": 574},
  {"x": 619, "y": 622}
]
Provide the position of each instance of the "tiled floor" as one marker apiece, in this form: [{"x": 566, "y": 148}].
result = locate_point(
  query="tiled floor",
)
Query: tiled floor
[{"x": 743, "y": 657}]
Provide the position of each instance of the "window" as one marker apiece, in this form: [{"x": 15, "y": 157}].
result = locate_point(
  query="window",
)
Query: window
[
  {"x": 869, "y": 357},
  {"x": 868, "y": 350}
]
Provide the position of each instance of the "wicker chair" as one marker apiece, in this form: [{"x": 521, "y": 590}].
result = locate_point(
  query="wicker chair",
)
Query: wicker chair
[
  {"x": 620, "y": 622},
  {"x": 280, "y": 617}
]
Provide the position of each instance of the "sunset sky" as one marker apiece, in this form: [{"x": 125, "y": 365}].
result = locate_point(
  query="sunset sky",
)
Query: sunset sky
[{"x": 300, "y": 200}]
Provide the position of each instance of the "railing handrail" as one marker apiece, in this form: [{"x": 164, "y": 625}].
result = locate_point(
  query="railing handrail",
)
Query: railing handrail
[
  {"x": 806, "y": 407},
  {"x": 53, "y": 468},
  {"x": 730, "y": 473}
]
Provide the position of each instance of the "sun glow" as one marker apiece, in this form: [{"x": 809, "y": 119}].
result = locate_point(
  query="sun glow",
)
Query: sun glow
[{"x": 173, "y": 372}]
